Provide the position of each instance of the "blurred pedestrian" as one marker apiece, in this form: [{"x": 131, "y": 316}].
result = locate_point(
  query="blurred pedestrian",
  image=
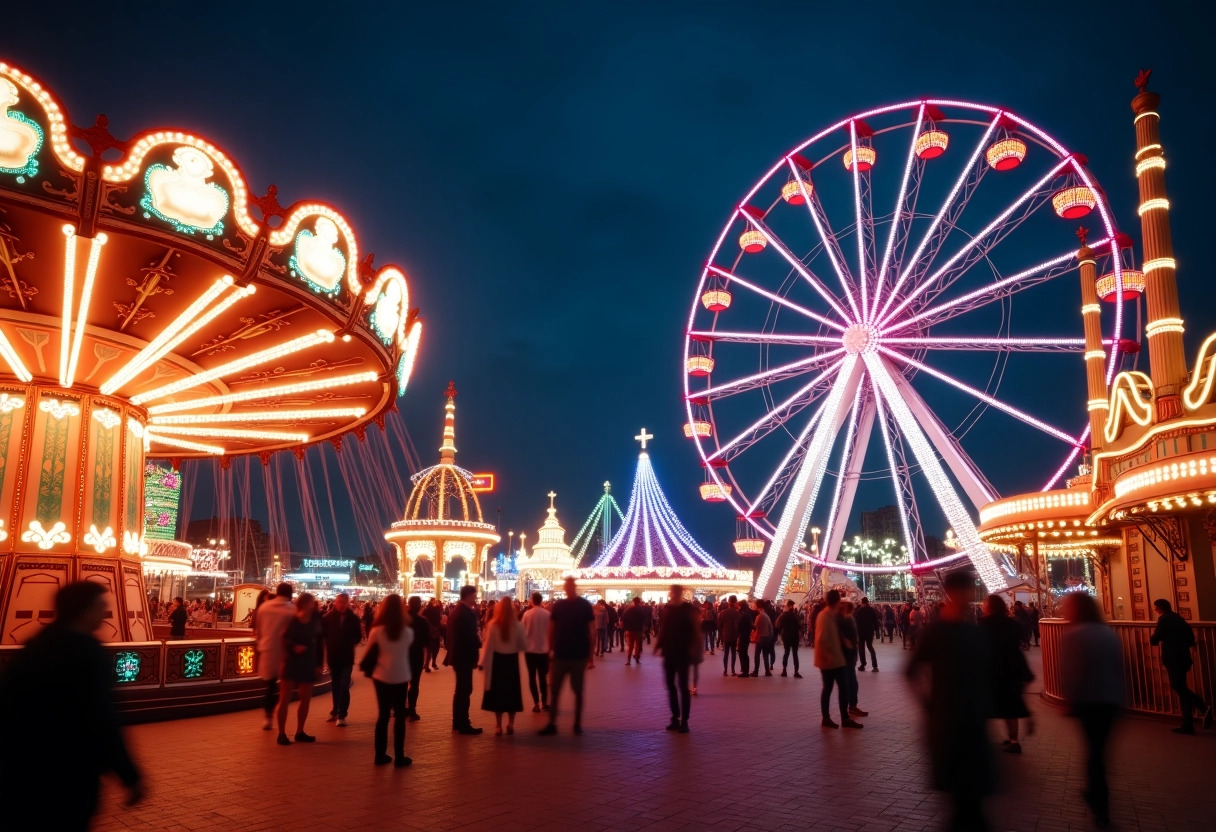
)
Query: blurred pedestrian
[
  {"x": 949, "y": 672},
  {"x": 303, "y": 654},
  {"x": 572, "y": 634},
  {"x": 849, "y": 642},
  {"x": 765, "y": 636},
  {"x": 343, "y": 632},
  {"x": 1091, "y": 679},
  {"x": 1177, "y": 638},
  {"x": 709, "y": 627},
  {"x": 434, "y": 616},
  {"x": 830, "y": 659},
  {"x": 634, "y": 620},
  {"x": 746, "y": 627},
  {"x": 270, "y": 624},
  {"x": 789, "y": 625},
  {"x": 505, "y": 640},
  {"x": 1008, "y": 672},
  {"x": 392, "y": 635},
  {"x": 866, "y": 618},
  {"x": 679, "y": 635},
  {"x": 58, "y": 725},
  {"x": 464, "y": 649},
  {"x": 536, "y": 655},
  {"x": 177, "y": 618},
  {"x": 728, "y": 628},
  {"x": 418, "y": 647}
]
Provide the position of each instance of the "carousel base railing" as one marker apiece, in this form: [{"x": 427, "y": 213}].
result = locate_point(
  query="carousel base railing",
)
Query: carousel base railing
[{"x": 1146, "y": 684}]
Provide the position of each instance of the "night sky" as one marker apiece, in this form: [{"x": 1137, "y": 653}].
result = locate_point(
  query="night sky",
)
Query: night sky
[{"x": 553, "y": 176}]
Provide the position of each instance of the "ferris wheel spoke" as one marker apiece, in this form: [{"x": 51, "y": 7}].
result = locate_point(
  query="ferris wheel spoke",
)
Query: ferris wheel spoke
[
  {"x": 966, "y": 472},
  {"x": 777, "y": 299},
  {"x": 898, "y": 224},
  {"x": 775, "y": 418},
  {"x": 951, "y": 505},
  {"x": 992, "y": 293},
  {"x": 975, "y": 241},
  {"x": 857, "y": 438},
  {"x": 762, "y": 379},
  {"x": 791, "y": 528},
  {"x": 777, "y": 338},
  {"x": 775, "y": 487},
  {"x": 991, "y": 344},
  {"x": 1068, "y": 461},
  {"x": 865, "y": 222},
  {"x": 901, "y": 479},
  {"x": 830, "y": 243},
  {"x": 797, "y": 265},
  {"x": 982, "y": 396},
  {"x": 931, "y": 236}
]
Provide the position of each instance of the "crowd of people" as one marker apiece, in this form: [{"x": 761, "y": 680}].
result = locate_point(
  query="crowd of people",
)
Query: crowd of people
[{"x": 968, "y": 667}]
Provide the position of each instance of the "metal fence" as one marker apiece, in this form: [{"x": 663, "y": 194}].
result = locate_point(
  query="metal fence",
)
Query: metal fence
[{"x": 1146, "y": 684}]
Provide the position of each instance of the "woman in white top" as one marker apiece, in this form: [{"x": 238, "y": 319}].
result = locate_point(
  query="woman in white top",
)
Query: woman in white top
[
  {"x": 505, "y": 640},
  {"x": 392, "y": 636}
]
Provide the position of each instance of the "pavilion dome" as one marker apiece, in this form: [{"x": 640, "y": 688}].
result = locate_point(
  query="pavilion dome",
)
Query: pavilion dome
[{"x": 444, "y": 491}]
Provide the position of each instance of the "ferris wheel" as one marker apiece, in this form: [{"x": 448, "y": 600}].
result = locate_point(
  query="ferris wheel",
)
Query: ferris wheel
[{"x": 908, "y": 254}]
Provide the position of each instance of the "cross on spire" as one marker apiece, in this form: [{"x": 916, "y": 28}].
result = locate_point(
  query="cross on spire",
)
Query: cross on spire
[
  {"x": 551, "y": 495},
  {"x": 644, "y": 437}
]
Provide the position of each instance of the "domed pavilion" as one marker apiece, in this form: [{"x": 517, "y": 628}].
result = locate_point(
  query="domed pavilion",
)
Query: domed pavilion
[{"x": 443, "y": 521}]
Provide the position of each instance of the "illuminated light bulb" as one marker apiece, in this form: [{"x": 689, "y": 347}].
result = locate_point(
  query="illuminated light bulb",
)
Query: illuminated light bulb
[
  {"x": 792, "y": 192},
  {"x": 1091, "y": 309},
  {"x": 1006, "y": 154},
  {"x": 268, "y": 392},
  {"x": 1151, "y": 163},
  {"x": 1148, "y": 148},
  {"x": 929, "y": 144},
  {"x": 1153, "y": 265},
  {"x": 752, "y": 241},
  {"x": 1095, "y": 355},
  {"x": 261, "y": 416},
  {"x": 174, "y": 442},
  {"x": 1158, "y": 204},
  {"x": 866, "y": 157},
  {"x": 321, "y": 336},
  {"x": 1163, "y": 325}
]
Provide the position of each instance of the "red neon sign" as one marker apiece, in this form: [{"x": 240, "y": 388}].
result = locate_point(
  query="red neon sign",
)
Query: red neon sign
[{"x": 483, "y": 483}]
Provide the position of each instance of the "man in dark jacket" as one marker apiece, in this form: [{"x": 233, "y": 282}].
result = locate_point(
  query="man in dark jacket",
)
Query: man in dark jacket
[
  {"x": 728, "y": 626},
  {"x": 343, "y": 632},
  {"x": 746, "y": 622},
  {"x": 57, "y": 722},
  {"x": 679, "y": 634},
  {"x": 866, "y": 619},
  {"x": 1176, "y": 639},
  {"x": 464, "y": 647}
]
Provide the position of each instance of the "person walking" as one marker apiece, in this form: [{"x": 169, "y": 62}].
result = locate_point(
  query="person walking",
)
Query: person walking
[
  {"x": 434, "y": 617},
  {"x": 1021, "y": 615},
  {"x": 270, "y": 624},
  {"x": 709, "y": 627},
  {"x": 728, "y": 628},
  {"x": 1008, "y": 672},
  {"x": 366, "y": 617},
  {"x": 830, "y": 659},
  {"x": 1177, "y": 638},
  {"x": 392, "y": 636},
  {"x": 613, "y": 621},
  {"x": 1091, "y": 680},
  {"x": 747, "y": 623},
  {"x": 464, "y": 648},
  {"x": 1035, "y": 615},
  {"x": 789, "y": 626},
  {"x": 888, "y": 623},
  {"x": 58, "y": 726},
  {"x": 601, "y": 627},
  {"x": 765, "y": 636},
  {"x": 572, "y": 634},
  {"x": 679, "y": 637},
  {"x": 303, "y": 654},
  {"x": 505, "y": 640},
  {"x": 634, "y": 620},
  {"x": 418, "y": 647},
  {"x": 536, "y": 652},
  {"x": 847, "y": 625},
  {"x": 343, "y": 632},
  {"x": 949, "y": 673},
  {"x": 866, "y": 618}
]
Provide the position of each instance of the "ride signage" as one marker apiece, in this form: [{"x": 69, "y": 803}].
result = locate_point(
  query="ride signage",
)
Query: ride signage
[{"x": 483, "y": 483}]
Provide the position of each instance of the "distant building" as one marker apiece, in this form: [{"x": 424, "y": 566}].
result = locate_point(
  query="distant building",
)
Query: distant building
[
  {"x": 248, "y": 543},
  {"x": 882, "y": 524}
]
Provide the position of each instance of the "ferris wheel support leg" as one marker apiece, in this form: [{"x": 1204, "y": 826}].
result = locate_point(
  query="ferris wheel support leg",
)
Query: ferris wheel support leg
[
  {"x": 798, "y": 506},
  {"x": 978, "y": 489},
  {"x": 846, "y": 486},
  {"x": 952, "y": 506}
]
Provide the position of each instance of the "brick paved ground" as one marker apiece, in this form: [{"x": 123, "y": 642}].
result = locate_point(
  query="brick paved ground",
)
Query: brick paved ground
[{"x": 756, "y": 759}]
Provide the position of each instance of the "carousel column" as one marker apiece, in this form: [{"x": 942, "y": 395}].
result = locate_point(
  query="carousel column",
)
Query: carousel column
[
  {"x": 1167, "y": 362},
  {"x": 71, "y": 473}
]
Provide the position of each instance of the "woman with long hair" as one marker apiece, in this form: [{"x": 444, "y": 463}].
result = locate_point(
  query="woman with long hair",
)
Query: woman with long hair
[
  {"x": 392, "y": 636},
  {"x": 304, "y": 648},
  {"x": 500, "y": 660},
  {"x": 1008, "y": 672}
]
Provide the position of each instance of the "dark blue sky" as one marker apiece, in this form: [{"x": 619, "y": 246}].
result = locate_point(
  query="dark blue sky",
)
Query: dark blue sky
[{"x": 553, "y": 176}]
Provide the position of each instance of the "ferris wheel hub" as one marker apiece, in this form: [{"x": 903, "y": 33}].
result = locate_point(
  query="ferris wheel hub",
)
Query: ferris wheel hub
[{"x": 860, "y": 338}]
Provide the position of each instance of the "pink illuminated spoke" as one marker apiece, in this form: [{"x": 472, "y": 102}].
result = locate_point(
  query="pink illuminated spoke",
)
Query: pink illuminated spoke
[
  {"x": 982, "y": 396},
  {"x": 895, "y": 479},
  {"x": 895, "y": 220},
  {"x": 777, "y": 299},
  {"x": 796, "y": 264},
  {"x": 850, "y": 456},
  {"x": 784, "y": 467},
  {"x": 771, "y": 420},
  {"x": 911, "y": 265},
  {"x": 766, "y": 377},
  {"x": 1029, "y": 194},
  {"x": 763, "y": 338},
  {"x": 991, "y": 344},
  {"x": 861, "y": 228},
  {"x": 999, "y": 290},
  {"x": 1072, "y": 456},
  {"x": 830, "y": 244}
]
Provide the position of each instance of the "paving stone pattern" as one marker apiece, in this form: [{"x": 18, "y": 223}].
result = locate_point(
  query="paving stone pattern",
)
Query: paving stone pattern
[{"x": 756, "y": 759}]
